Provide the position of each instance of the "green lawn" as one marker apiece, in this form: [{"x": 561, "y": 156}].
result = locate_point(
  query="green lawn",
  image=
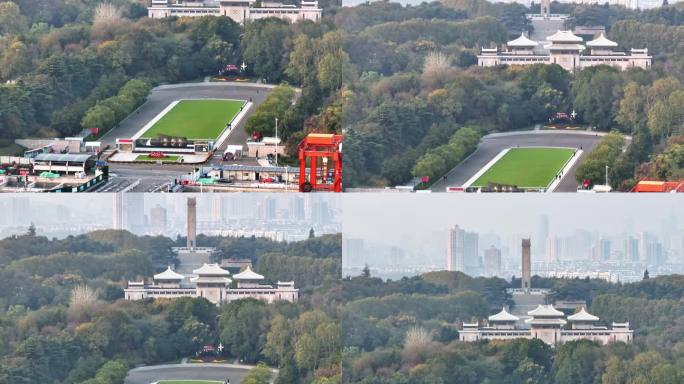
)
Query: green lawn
[
  {"x": 167, "y": 159},
  {"x": 189, "y": 382},
  {"x": 526, "y": 167},
  {"x": 196, "y": 119}
]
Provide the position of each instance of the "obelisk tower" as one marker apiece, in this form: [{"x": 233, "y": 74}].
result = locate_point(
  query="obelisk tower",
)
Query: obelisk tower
[
  {"x": 545, "y": 8},
  {"x": 192, "y": 222},
  {"x": 526, "y": 265}
]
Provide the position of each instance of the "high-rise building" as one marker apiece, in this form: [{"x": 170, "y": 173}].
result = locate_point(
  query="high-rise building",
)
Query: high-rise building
[
  {"x": 455, "y": 249},
  {"x": 526, "y": 265},
  {"x": 320, "y": 211},
  {"x": 552, "y": 249},
  {"x": 216, "y": 207},
  {"x": 631, "y": 249},
  {"x": 134, "y": 211},
  {"x": 297, "y": 211},
  {"x": 158, "y": 219},
  {"x": 644, "y": 240},
  {"x": 604, "y": 249},
  {"x": 463, "y": 251},
  {"x": 492, "y": 261},
  {"x": 267, "y": 208},
  {"x": 192, "y": 223},
  {"x": 117, "y": 211}
]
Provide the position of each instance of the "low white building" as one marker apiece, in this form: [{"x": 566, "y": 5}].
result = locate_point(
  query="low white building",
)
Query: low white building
[
  {"x": 213, "y": 283},
  {"x": 239, "y": 10},
  {"x": 547, "y": 324},
  {"x": 567, "y": 50}
]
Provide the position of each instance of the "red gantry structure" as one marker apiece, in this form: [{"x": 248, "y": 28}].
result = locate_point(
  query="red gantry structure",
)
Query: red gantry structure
[
  {"x": 659, "y": 186},
  {"x": 321, "y": 155}
]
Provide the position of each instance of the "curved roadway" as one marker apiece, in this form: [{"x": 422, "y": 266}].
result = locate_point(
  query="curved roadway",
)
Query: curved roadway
[
  {"x": 491, "y": 145},
  {"x": 219, "y": 372}
]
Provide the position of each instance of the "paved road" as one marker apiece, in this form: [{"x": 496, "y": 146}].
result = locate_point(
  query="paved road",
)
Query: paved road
[
  {"x": 491, "y": 145},
  {"x": 147, "y": 375},
  {"x": 162, "y": 96}
]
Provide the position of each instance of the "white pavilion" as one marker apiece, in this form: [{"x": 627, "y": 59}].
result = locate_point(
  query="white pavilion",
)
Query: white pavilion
[
  {"x": 213, "y": 283},
  {"x": 547, "y": 324},
  {"x": 565, "y": 49}
]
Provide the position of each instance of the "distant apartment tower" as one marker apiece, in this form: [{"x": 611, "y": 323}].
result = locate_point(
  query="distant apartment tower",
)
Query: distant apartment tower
[
  {"x": 216, "y": 207},
  {"x": 455, "y": 249},
  {"x": 604, "y": 249},
  {"x": 320, "y": 212},
  {"x": 267, "y": 208},
  {"x": 462, "y": 251},
  {"x": 492, "y": 261},
  {"x": 158, "y": 219},
  {"x": 134, "y": 211},
  {"x": 631, "y": 249},
  {"x": 297, "y": 208},
  {"x": 192, "y": 223},
  {"x": 526, "y": 265},
  {"x": 117, "y": 211},
  {"x": 552, "y": 249}
]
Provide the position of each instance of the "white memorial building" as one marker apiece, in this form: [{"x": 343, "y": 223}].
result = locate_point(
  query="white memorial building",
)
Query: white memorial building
[
  {"x": 567, "y": 50},
  {"x": 549, "y": 325},
  {"x": 239, "y": 10},
  {"x": 213, "y": 283}
]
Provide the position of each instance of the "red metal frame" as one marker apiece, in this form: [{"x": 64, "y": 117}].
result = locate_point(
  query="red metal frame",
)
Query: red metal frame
[{"x": 313, "y": 147}]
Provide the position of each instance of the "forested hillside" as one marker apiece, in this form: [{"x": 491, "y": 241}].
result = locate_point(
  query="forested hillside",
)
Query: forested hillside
[
  {"x": 418, "y": 104},
  {"x": 69, "y": 65},
  {"x": 406, "y": 332},
  {"x": 63, "y": 318}
]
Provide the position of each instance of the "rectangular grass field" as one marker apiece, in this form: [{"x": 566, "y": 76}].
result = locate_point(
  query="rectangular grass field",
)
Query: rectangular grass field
[
  {"x": 196, "y": 119},
  {"x": 526, "y": 167},
  {"x": 167, "y": 159}
]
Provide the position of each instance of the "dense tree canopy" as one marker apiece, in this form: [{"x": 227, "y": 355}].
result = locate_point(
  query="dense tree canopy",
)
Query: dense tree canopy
[
  {"x": 63, "y": 318},
  {"x": 394, "y": 333},
  {"x": 405, "y": 103}
]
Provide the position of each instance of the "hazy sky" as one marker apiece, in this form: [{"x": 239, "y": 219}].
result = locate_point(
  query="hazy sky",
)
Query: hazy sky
[
  {"x": 406, "y": 220},
  {"x": 63, "y": 214}
]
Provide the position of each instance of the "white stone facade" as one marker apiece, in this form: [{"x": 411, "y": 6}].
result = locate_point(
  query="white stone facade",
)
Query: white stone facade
[
  {"x": 213, "y": 283},
  {"x": 549, "y": 325},
  {"x": 567, "y": 50},
  {"x": 239, "y": 10}
]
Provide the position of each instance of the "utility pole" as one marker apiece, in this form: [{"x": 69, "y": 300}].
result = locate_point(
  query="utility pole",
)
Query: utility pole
[
  {"x": 606, "y": 175},
  {"x": 276, "y": 140}
]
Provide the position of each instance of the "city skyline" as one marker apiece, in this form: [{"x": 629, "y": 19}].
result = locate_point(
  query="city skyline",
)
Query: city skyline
[
  {"x": 616, "y": 244},
  {"x": 276, "y": 216}
]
